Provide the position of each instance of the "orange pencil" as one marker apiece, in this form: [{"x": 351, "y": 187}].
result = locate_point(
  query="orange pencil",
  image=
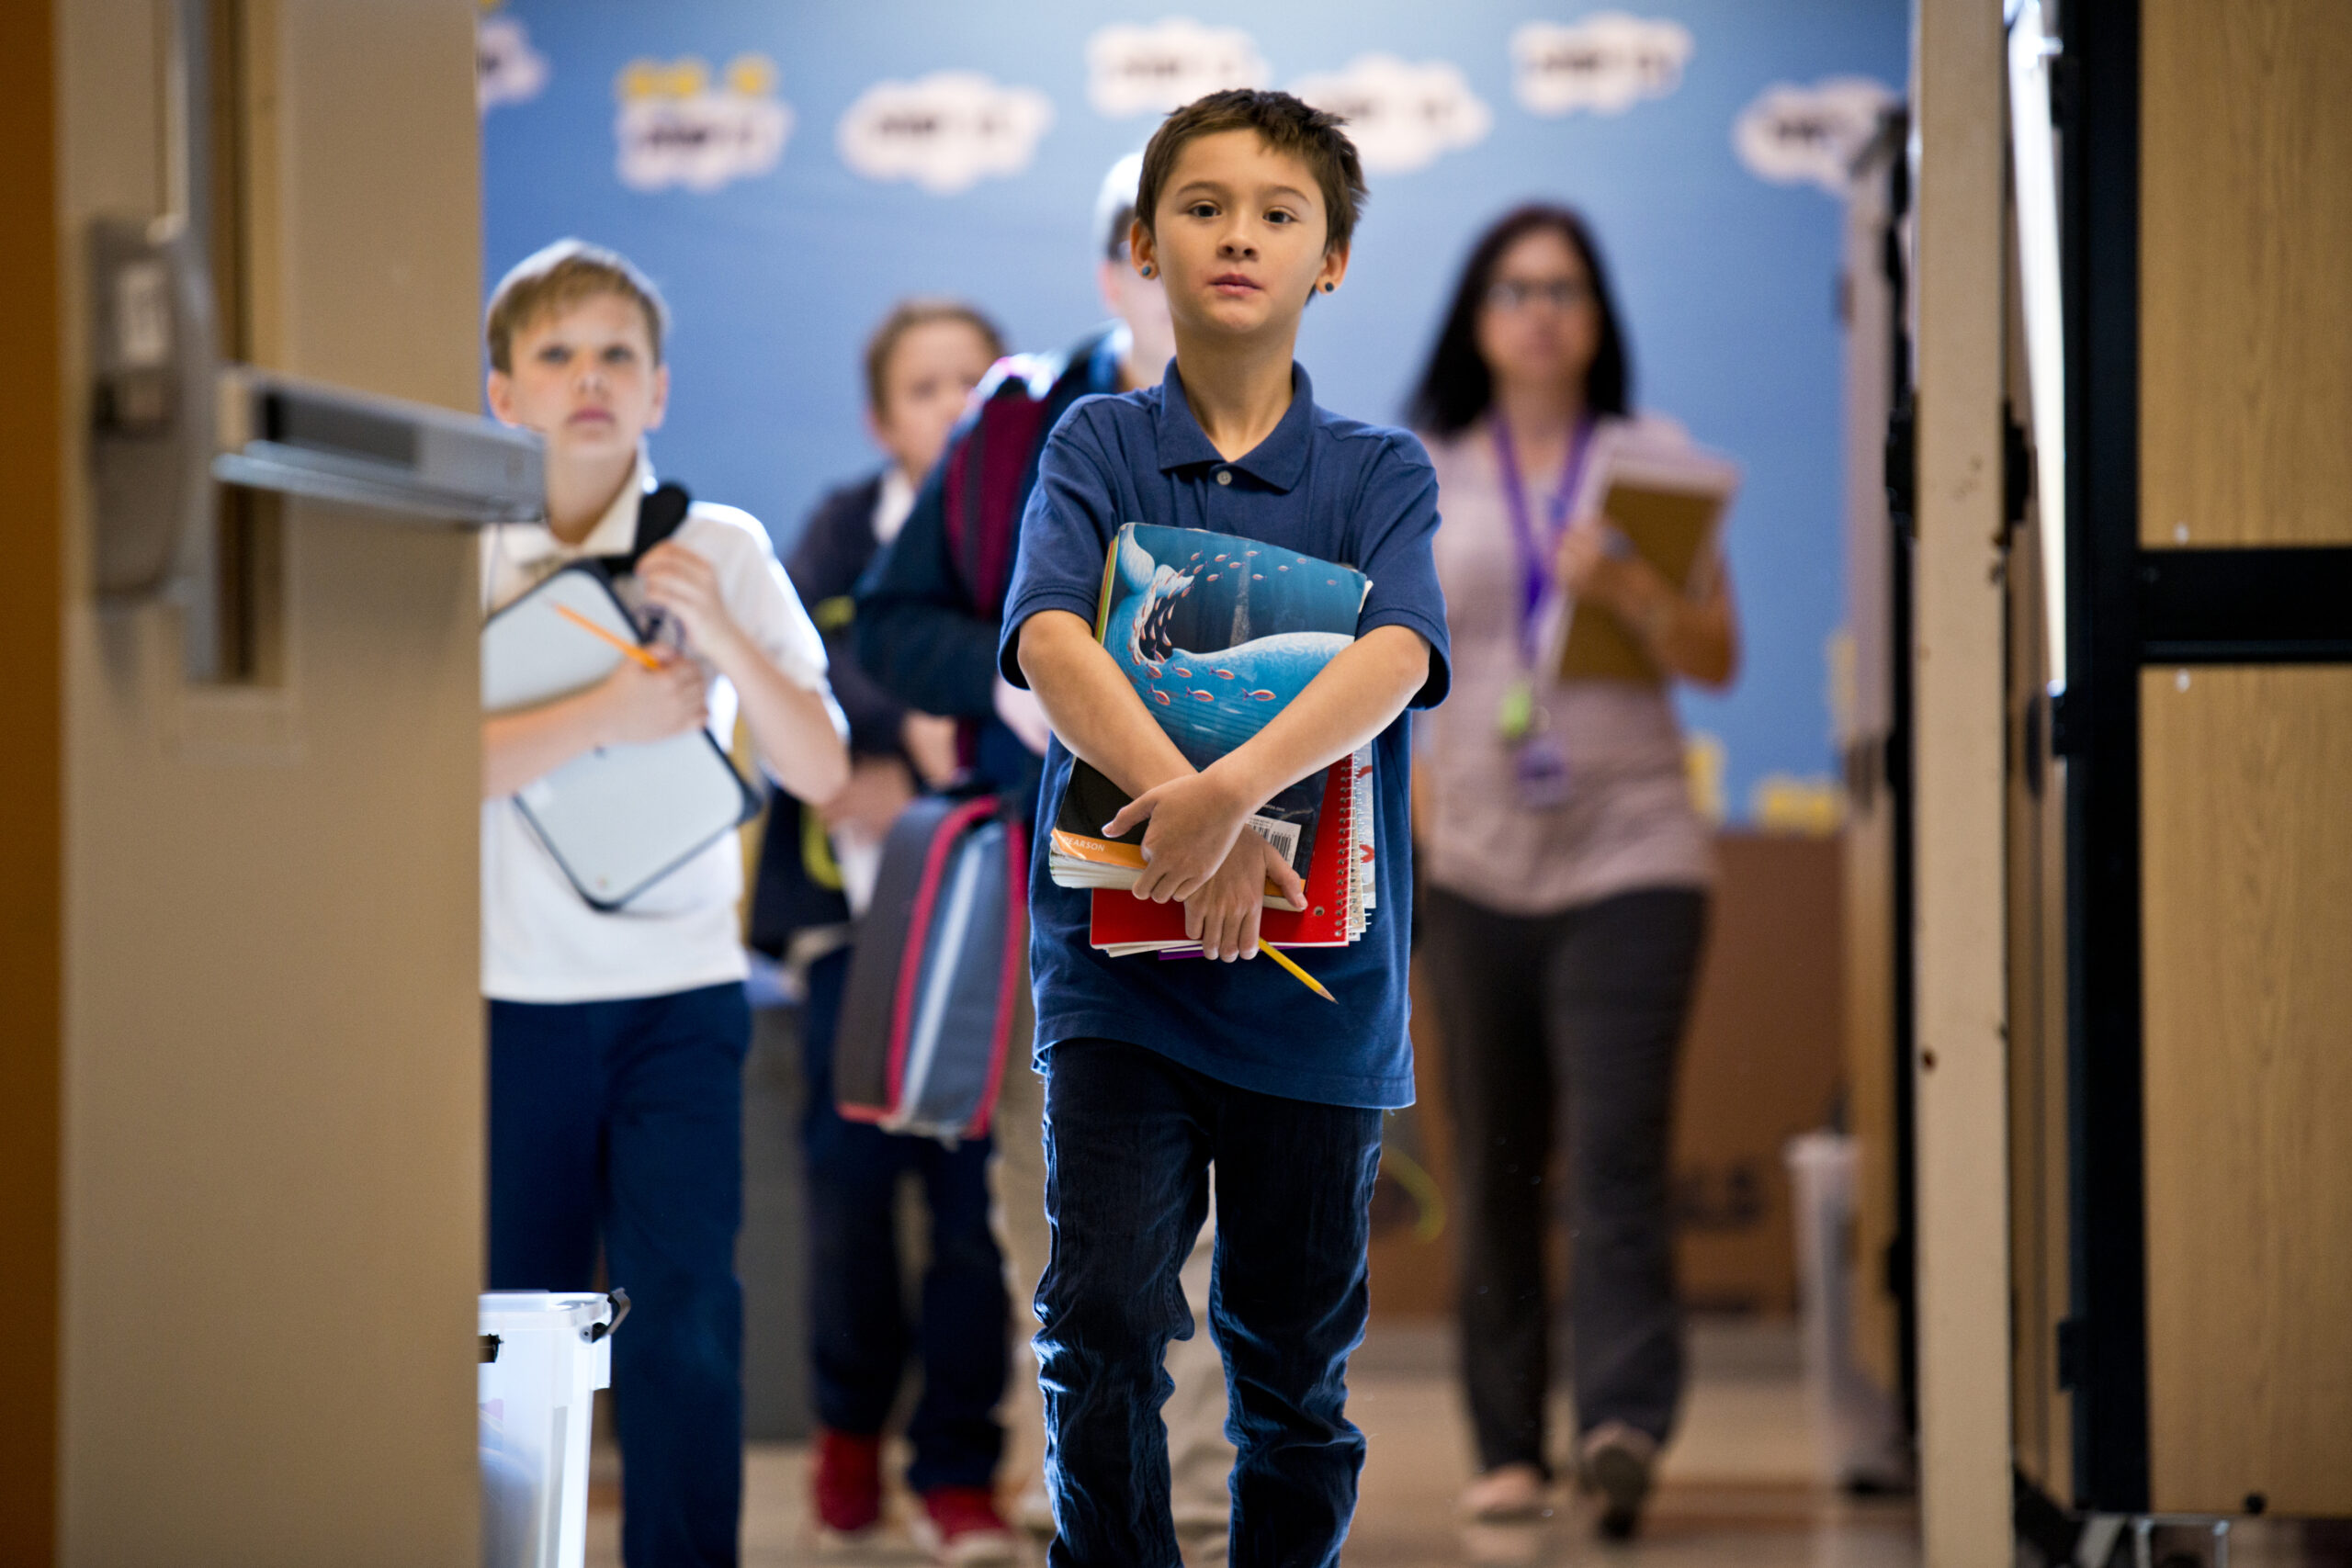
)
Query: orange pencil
[{"x": 592, "y": 629}]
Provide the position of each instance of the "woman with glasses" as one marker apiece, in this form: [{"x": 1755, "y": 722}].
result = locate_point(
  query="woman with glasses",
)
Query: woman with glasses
[{"x": 1566, "y": 873}]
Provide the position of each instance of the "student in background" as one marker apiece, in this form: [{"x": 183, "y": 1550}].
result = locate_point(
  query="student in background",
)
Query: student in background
[
  {"x": 929, "y": 615},
  {"x": 1565, "y": 874},
  {"x": 815, "y": 873},
  {"x": 1159, "y": 1072},
  {"x": 617, "y": 1040}
]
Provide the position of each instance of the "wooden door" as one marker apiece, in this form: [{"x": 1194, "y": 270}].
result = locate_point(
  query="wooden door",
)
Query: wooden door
[{"x": 2245, "y": 396}]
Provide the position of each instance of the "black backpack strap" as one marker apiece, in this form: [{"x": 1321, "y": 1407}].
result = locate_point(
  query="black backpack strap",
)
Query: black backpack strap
[{"x": 658, "y": 515}]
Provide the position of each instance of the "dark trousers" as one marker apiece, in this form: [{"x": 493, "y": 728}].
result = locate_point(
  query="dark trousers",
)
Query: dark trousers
[
  {"x": 859, "y": 1331},
  {"x": 1130, "y": 1138},
  {"x": 624, "y": 1121},
  {"x": 1566, "y": 1027}
]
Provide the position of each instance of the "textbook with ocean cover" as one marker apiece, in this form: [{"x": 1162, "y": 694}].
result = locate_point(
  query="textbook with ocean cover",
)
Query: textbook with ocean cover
[{"x": 1217, "y": 633}]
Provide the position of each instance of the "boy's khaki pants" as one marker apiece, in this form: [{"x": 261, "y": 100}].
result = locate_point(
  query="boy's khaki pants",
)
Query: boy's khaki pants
[{"x": 1200, "y": 1458}]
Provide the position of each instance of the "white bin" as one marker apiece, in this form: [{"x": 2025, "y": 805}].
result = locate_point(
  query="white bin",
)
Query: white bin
[
  {"x": 1861, "y": 1436},
  {"x": 544, "y": 1355}
]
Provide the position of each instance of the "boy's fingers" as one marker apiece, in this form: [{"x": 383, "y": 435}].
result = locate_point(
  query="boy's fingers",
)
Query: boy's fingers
[
  {"x": 1291, "y": 884},
  {"x": 1132, "y": 814}
]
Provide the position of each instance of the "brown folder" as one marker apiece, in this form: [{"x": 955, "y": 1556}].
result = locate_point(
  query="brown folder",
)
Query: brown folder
[{"x": 1669, "y": 506}]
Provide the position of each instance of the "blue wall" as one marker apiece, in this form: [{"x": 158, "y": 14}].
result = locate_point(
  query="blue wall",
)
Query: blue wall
[{"x": 781, "y": 265}]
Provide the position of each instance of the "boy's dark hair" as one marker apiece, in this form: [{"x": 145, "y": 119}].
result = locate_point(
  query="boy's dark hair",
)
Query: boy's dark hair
[
  {"x": 1456, "y": 387},
  {"x": 904, "y": 318},
  {"x": 564, "y": 273},
  {"x": 1287, "y": 125}
]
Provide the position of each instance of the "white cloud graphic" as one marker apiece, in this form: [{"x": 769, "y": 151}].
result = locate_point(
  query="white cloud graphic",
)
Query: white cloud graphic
[
  {"x": 1135, "y": 69},
  {"x": 507, "y": 69},
  {"x": 1607, "y": 62},
  {"x": 944, "y": 131},
  {"x": 1400, "y": 116},
  {"x": 677, "y": 128},
  {"x": 1793, "y": 134}
]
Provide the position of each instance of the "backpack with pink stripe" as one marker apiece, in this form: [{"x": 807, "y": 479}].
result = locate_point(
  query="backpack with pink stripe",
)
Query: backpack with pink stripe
[{"x": 935, "y": 977}]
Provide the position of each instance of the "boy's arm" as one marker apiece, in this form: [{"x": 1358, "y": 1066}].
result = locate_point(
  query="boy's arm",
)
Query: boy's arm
[
  {"x": 629, "y": 706},
  {"x": 1092, "y": 705},
  {"x": 792, "y": 725}
]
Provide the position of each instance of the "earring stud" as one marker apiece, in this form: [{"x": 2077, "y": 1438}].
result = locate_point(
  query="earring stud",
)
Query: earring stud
[
  {"x": 1330, "y": 286},
  {"x": 1148, "y": 269}
]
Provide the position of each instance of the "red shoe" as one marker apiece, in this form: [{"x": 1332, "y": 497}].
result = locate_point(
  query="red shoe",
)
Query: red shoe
[
  {"x": 961, "y": 1526},
  {"x": 846, "y": 1480}
]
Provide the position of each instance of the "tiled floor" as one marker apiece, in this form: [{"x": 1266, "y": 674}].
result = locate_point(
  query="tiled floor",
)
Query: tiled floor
[{"x": 1741, "y": 1484}]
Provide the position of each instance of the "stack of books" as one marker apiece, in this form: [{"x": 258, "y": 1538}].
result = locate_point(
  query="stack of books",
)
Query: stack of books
[{"x": 1217, "y": 633}]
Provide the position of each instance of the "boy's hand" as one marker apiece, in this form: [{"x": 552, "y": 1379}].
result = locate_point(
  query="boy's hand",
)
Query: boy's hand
[
  {"x": 1223, "y": 916},
  {"x": 683, "y": 583},
  {"x": 637, "y": 704},
  {"x": 930, "y": 744},
  {"x": 1194, "y": 819}
]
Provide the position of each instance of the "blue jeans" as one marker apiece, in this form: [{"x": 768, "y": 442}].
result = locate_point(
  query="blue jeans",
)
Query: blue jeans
[
  {"x": 624, "y": 1121},
  {"x": 859, "y": 1330},
  {"x": 1130, "y": 1138}
]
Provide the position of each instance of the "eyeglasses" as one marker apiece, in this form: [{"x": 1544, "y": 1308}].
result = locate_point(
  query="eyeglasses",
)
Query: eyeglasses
[{"x": 1518, "y": 293}]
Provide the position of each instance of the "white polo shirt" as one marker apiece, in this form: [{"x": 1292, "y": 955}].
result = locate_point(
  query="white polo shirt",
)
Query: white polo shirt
[{"x": 540, "y": 941}]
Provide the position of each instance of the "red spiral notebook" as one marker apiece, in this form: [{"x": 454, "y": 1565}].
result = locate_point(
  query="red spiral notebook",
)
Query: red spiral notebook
[{"x": 1123, "y": 923}]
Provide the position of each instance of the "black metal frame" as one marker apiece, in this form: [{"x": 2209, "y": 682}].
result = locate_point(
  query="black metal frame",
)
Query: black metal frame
[
  {"x": 2100, "y": 214},
  {"x": 2127, "y": 608},
  {"x": 1902, "y": 1258}
]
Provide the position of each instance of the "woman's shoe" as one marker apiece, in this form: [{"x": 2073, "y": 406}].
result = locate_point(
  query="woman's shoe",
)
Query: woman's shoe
[
  {"x": 1507, "y": 1494},
  {"x": 1616, "y": 1463}
]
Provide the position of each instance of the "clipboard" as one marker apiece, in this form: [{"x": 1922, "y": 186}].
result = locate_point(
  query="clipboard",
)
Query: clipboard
[
  {"x": 1669, "y": 498},
  {"x": 619, "y": 818}
]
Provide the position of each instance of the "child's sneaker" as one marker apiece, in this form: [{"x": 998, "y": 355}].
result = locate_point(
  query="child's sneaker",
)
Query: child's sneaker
[
  {"x": 960, "y": 1526},
  {"x": 846, "y": 1482}
]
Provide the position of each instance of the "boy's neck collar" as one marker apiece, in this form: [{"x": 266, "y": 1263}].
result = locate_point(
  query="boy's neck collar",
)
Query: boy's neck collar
[
  {"x": 1238, "y": 392},
  {"x": 1278, "y": 459}
]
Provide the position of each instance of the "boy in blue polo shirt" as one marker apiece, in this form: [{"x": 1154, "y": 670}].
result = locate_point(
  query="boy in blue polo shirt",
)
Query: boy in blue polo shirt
[{"x": 1157, "y": 1071}]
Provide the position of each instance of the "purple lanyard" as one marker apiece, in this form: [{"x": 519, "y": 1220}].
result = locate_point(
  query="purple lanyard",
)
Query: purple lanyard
[{"x": 1534, "y": 556}]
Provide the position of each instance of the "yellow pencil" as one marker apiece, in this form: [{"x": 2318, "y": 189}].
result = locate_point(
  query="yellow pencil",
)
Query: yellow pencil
[
  {"x": 1309, "y": 981},
  {"x": 592, "y": 629}
]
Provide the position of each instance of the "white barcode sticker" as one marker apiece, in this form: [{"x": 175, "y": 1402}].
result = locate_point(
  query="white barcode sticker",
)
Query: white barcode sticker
[{"x": 1283, "y": 836}]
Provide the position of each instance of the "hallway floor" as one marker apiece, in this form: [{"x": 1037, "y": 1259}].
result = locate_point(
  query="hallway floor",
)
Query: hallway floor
[{"x": 1741, "y": 1484}]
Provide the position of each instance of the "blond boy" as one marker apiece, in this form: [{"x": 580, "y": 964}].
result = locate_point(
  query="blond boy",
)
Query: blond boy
[{"x": 617, "y": 1039}]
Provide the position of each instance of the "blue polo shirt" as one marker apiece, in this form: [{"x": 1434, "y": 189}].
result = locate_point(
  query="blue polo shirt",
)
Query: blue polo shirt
[{"x": 1362, "y": 495}]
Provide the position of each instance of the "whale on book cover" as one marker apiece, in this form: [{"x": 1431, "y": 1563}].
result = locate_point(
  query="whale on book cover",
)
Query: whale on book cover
[{"x": 1218, "y": 632}]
